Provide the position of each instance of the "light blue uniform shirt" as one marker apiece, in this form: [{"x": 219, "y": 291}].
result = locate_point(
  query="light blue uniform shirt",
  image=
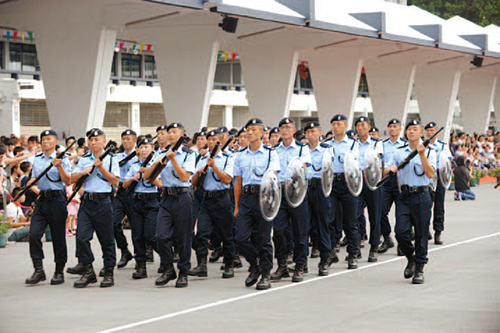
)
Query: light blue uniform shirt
[
  {"x": 286, "y": 154},
  {"x": 440, "y": 147},
  {"x": 125, "y": 168},
  {"x": 186, "y": 159},
  {"x": 314, "y": 169},
  {"x": 225, "y": 162},
  {"x": 413, "y": 174},
  {"x": 389, "y": 150},
  {"x": 52, "y": 180},
  {"x": 252, "y": 166},
  {"x": 340, "y": 149},
  {"x": 370, "y": 143},
  {"x": 142, "y": 186},
  {"x": 96, "y": 182}
]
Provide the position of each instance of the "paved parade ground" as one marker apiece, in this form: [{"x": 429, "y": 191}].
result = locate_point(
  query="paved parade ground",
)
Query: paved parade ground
[{"x": 461, "y": 291}]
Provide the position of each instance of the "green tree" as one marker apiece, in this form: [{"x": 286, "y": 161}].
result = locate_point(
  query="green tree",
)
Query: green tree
[{"x": 482, "y": 12}]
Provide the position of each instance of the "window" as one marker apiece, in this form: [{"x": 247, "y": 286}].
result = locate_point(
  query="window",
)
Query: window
[
  {"x": 117, "y": 115},
  {"x": 131, "y": 65},
  {"x": 34, "y": 113},
  {"x": 23, "y": 57},
  {"x": 113, "y": 65},
  {"x": 150, "y": 67},
  {"x": 152, "y": 115},
  {"x": 223, "y": 73},
  {"x": 237, "y": 73}
]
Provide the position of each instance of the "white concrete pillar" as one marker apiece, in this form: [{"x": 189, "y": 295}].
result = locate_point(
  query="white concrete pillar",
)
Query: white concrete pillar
[
  {"x": 390, "y": 82},
  {"x": 335, "y": 76},
  {"x": 228, "y": 116},
  {"x": 10, "y": 117},
  {"x": 436, "y": 89},
  {"x": 135, "y": 117},
  {"x": 496, "y": 104},
  {"x": 477, "y": 88}
]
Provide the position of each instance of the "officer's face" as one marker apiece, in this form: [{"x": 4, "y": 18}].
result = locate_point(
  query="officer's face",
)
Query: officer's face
[
  {"x": 212, "y": 141},
  {"x": 275, "y": 138},
  {"x": 201, "y": 141},
  {"x": 414, "y": 133},
  {"x": 394, "y": 129},
  {"x": 430, "y": 132},
  {"x": 162, "y": 137},
  {"x": 49, "y": 142},
  {"x": 129, "y": 141},
  {"x": 254, "y": 133},
  {"x": 145, "y": 150},
  {"x": 313, "y": 134},
  {"x": 375, "y": 135},
  {"x": 362, "y": 129},
  {"x": 287, "y": 131},
  {"x": 339, "y": 127},
  {"x": 97, "y": 143},
  {"x": 243, "y": 141},
  {"x": 174, "y": 134}
]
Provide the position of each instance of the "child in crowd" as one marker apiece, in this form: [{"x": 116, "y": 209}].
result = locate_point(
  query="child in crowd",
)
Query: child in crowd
[
  {"x": 18, "y": 221},
  {"x": 462, "y": 177},
  {"x": 73, "y": 207}
]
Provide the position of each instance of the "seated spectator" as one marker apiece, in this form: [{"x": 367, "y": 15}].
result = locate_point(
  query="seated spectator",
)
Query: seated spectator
[
  {"x": 18, "y": 222},
  {"x": 462, "y": 177}
]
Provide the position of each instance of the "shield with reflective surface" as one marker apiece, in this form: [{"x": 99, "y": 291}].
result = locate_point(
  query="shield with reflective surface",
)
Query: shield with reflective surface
[
  {"x": 327, "y": 172},
  {"x": 270, "y": 195},
  {"x": 445, "y": 172},
  {"x": 296, "y": 182},
  {"x": 373, "y": 169},
  {"x": 353, "y": 174}
]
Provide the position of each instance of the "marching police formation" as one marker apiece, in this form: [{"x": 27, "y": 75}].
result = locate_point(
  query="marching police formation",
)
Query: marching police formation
[{"x": 258, "y": 201}]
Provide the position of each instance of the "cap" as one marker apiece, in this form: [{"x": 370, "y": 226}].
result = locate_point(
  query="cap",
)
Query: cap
[
  {"x": 338, "y": 117},
  {"x": 213, "y": 133},
  {"x": 393, "y": 121},
  {"x": 414, "y": 122},
  {"x": 222, "y": 129},
  {"x": 328, "y": 133},
  {"x": 274, "y": 130},
  {"x": 311, "y": 124},
  {"x": 351, "y": 133},
  {"x": 95, "y": 132},
  {"x": 266, "y": 128},
  {"x": 286, "y": 120},
  {"x": 255, "y": 122},
  {"x": 161, "y": 128},
  {"x": 430, "y": 125},
  {"x": 361, "y": 120},
  {"x": 49, "y": 132},
  {"x": 373, "y": 130},
  {"x": 129, "y": 132},
  {"x": 174, "y": 125},
  {"x": 70, "y": 138},
  {"x": 145, "y": 141},
  {"x": 242, "y": 130}
]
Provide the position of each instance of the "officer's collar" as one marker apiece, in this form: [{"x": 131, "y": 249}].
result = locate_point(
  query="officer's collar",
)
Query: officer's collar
[
  {"x": 368, "y": 140},
  {"x": 292, "y": 144},
  {"x": 344, "y": 139},
  {"x": 53, "y": 155}
]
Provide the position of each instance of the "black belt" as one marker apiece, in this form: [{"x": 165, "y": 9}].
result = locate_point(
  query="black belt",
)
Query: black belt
[
  {"x": 174, "y": 191},
  {"x": 405, "y": 189},
  {"x": 251, "y": 189},
  {"x": 339, "y": 177},
  {"x": 49, "y": 195},
  {"x": 95, "y": 196},
  {"x": 314, "y": 182},
  {"x": 215, "y": 194},
  {"x": 145, "y": 196}
]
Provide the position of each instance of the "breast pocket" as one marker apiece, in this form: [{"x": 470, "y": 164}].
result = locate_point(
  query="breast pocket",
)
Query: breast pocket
[
  {"x": 260, "y": 165},
  {"x": 418, "y": 168}
]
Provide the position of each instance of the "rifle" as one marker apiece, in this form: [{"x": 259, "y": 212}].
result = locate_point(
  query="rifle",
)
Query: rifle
[
  {"x": 81, "y": 181},
  {"x": 407, "y": 160},
  {"x": 163, "y": 162},
  {"x": 203, "y": 174},
  {"x": 131, "y": 156},
  {"x": 44, "y": 172},
  {"x": 144, "y": 164}
]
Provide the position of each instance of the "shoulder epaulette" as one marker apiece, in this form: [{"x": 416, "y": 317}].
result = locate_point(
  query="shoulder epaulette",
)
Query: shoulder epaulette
[
  {"x": 299, "y": 143},
  {"x": 387, "y": 140},
  {"x": 137, "y": 162},
  {"x": 375, "y": 139},
  {"x": 39, "y": 154},
  {"x": 227, "y": 154},
  {"x": 276, "y": 145},
  {"x": 87, "y": 154},
  {"x": 324, "y": 145},
  {"x": 186, "y": 149},
  {"x": 242, "y": 149},
  {"x": 404, "y": 140},
  {"x": 403, "y": 146},
  {"x": 269, "y": 147}
]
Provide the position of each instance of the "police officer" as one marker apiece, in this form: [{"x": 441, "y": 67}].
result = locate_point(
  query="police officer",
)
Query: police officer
[
  {"x": 121, "y": 201},
  {"x": 374, "y": 132},
  {"x": 216, "y": 206},
  {"x": 441, "y": 148},
  {"x": 242, "y": 138},
  {"x": 372, "y": 199},
  {"x": 144, "y": 208},
  {"x": 390, "y": 191},
  {"x": 249, "y": 167},
  {"x": 274, "y": 136},
  {"x": 413, "y": 207},
  {"x": 340, "y": 196},
  {"x": 96, "y": 212},
  {"x": 175, "y": 217},
  {"x": 319, "y": 205},
  {"x": 50, "y": 209}
]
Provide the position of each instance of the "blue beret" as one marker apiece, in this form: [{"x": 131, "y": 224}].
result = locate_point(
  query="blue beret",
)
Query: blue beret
[
  {"x": 95, "y": 132},
  {"x": 129, "y": 132},
  {"x": 373, "y": 130},
  {"x": 430, "y": 125},
  {"x": 393, "y": 121},
  {"x": 274, "y": 130},
  {"x": 311, "y": 124},
  {"x": 328, "y": 133},
  {"x": 351, "y": 133},
  {"x": 145, "y": 141},
  {"x": 223, "y": 129},
  {"x": 174, "y": 125},
  {"x": 286, "y": 120},
  {"x": 48, "y": 132},
  {"x": 361, "y": 120},
  {"x": 338, "y": 117},
  {"x": 161, "y": 128},
  {"x": 255, "y": 122},
  {"x": 242, "y": 130},
  {"x": 414, "y": 122},
  {"x": 213, "y": 133}
]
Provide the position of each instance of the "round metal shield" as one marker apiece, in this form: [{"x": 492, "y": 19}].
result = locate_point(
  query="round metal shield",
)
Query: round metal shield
[
  {"x": 445, "y": 172},
  {"x": 269, "y": 195},
  {"x": 296, "y": 182},
  {"x": 353, "y": 174},
  {"x": 327, "y": 172},
  {"x": 373, "y": 169},
  {"x": 434, "y": 182}
]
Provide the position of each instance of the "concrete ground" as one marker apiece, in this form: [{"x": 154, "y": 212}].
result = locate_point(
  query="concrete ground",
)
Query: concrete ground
[{"x": 461, "y": 291}]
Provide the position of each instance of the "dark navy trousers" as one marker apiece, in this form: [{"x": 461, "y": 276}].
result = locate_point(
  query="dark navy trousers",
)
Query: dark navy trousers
[
  {"x": 143, "y": 224},
  {"x": 413, "y": 210},
  {"x": 373, "y": 201},
  {"x": 319, "y": 220},
  {"x": 175, "y": 219},
  {"x": 341, "y": 196},
  {"x": 390, "y": 194},
  {"x": 121, "y": 207},
  {"x": 248, "y": 219},
  {"x": 298, "y": 219},
  {"x": 96, "y": 216},
  {"x": 52, "y": 213},
  {"x": 438, "y": 220}
]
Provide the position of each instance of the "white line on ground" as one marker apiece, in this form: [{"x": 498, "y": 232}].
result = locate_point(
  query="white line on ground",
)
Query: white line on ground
[{"x": 274, "y": 289}]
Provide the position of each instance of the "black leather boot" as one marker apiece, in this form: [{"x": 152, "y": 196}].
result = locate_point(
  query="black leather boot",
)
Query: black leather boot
[
  {"x": 418, "y": 278},
  {"x": 373, "y": 255},
  {"x": 108, "y": 280},
  {"x": 386, "y": 245},
  {"x": 38, "y": 275},
  {"x": 168, "y": 275},
  {"x": 140, "y": 271},
  {"x": 334, "y": 258},
  {"x": 87, "y": 278},
  {"x": 58, "y": 277},
  {"x": 352, "y": 261},
  {"x": 254, "y": 274},
  {"x": 298, "y": 273},
  {"x": 228, "y": 269},
  {"x": 437, "y": 238},
  {"x": 281, "y": 271},
  {"x": 126, "y": 257},
  {"x": 182, "y": 280},
  {"x": 77, "y": 270},
  {"x": 343, "y": 241},
  {"x": 323, "y": 266},
  {"x": 400, "y": 253},
  {"x": 315, "y": 252},
  {"x": 201, "y": 269},
  {"x": 161, "y": 269},
  {"x": 177, "y": 256},
  {"x": 410, "y": 268},
  {"x": 216, "y": 254},
  {"x": 101, "y": 272},
  {"x": 264, "y": 282},
  {"x": 150, "y": 257},
  {"x": 237, "y": 262}
]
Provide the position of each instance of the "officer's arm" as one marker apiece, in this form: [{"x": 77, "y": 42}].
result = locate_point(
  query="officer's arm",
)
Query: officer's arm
[
  {"x": 108, "y": 175},
  {"x": 181, "y": 173},
  {"x": 76, "y": 176},
  {"x": 224, "y": 177},
  {"x": 65, "y": 176},
  {"x": 428, "y": 168},
  {"x": 129, "y": 182},
  {"x": 237, "y": 194},
  {"x": 149, "y": 170}
]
